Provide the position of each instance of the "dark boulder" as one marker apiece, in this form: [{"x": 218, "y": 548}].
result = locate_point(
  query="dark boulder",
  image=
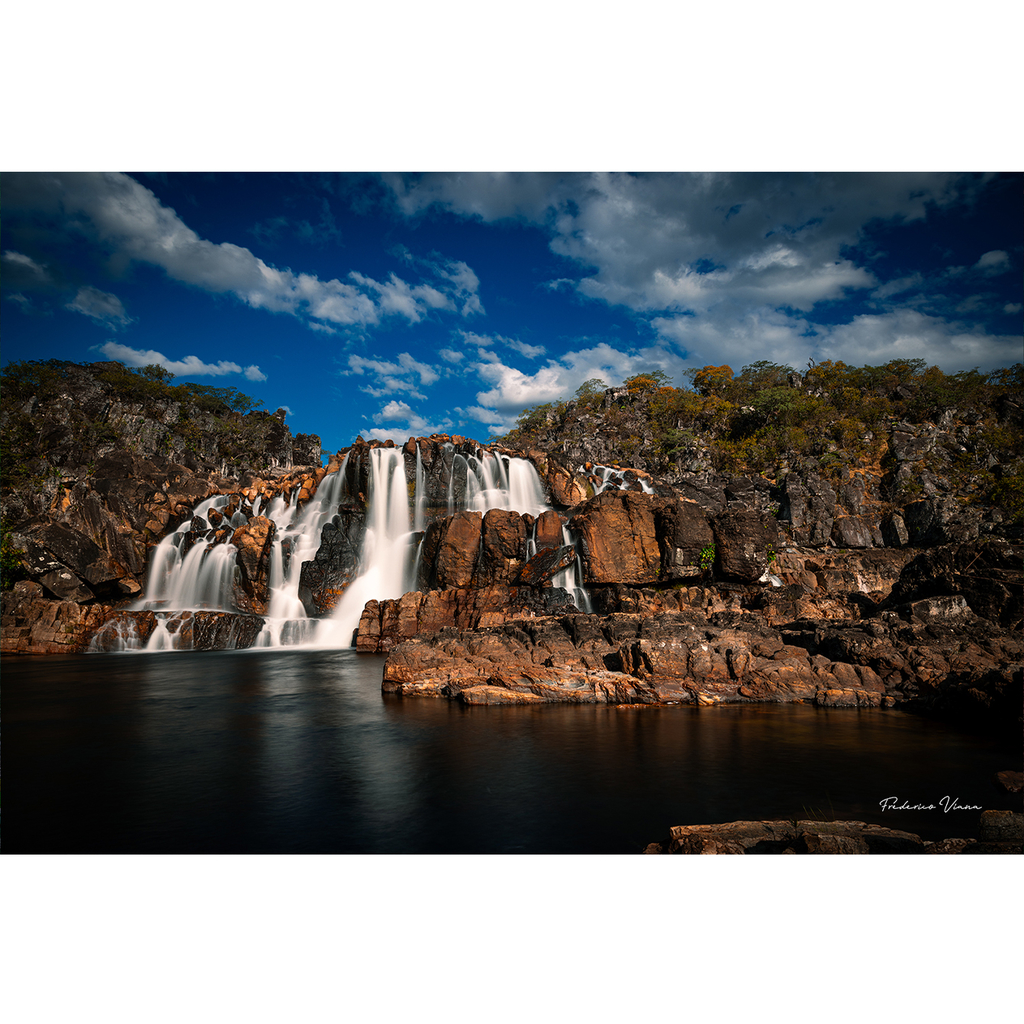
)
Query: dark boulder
[
  {"x": 744, "y": 543},
  {"x": 809, "y": 506},
  {"x": 683, "y": 533},
  {"x": 545, "y": 565}
]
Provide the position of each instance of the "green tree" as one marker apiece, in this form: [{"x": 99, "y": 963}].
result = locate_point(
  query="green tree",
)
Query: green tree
[
  {"x": 642, "y": 383},
  {"x": 590, "y": 389},
  {"x": 711, "y": 380}
]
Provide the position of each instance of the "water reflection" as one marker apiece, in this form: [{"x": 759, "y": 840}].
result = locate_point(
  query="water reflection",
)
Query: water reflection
[{"x": 298, "y": 751}]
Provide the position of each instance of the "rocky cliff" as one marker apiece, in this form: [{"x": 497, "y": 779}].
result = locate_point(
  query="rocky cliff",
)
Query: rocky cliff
[{"x": 99, "y": 463}]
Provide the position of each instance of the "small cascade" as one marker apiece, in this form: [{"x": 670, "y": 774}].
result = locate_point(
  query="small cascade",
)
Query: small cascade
[
  {"x": 116, "y": 637},
  {"x": 419, "y": 510},
  {"x": 162, "y": 639},
  {"x": 203, "y": 578},
  {"x": 495, "y": 481},
  {"x": 610, "y": 478},
  {"x": 571, "y": 579}
]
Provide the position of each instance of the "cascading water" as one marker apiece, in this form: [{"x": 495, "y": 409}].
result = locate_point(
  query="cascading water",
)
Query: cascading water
[
  {"x": 204, "y": 579},
  {"x": 610, "y": 478},
  {"x": 570, "y": 579},
  {"x": 387, "y": 555},
  {"x": 286, "y": 621}
]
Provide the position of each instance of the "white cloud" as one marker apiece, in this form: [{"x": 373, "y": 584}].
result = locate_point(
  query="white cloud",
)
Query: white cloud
[
  {"x": 994, "y": 262},
  {"x": 450, "y": 355},
  {"x": 20, "y": 260},
  {"x": 128, "y": 218},
  {"x": 411, "y": 423},
  {"x": 898, "y": 286},
  {"x": 908, "y": 334},
  {"x": 485, "y": 341},
  {"x": 512, "y": 390},
  {"x": 1012, "y": 307},
  {"x": 407, "y": 374},
  {"x": 101, "y": 306},
  {"x": 487, "y": 196},
  {"x": 650, "y": 237},
  {"x": 190, "y": 366},
  {"x": 867, "y": 339},
  {"x": 729, "y": 267}
]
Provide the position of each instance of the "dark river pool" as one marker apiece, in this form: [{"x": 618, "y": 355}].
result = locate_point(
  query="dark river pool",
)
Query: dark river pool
[{"x": 299, "y": 752}]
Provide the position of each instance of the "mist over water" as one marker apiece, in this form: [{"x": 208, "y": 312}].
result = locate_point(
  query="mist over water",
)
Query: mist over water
[{"x": 298, "y": 751}]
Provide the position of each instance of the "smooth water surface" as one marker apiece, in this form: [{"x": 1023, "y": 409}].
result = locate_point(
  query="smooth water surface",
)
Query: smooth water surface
[{"x": 298, "y": 751}]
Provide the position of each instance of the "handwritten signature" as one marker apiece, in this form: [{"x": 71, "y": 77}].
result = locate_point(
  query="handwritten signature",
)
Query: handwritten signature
[{"x": 947, "y": 803}]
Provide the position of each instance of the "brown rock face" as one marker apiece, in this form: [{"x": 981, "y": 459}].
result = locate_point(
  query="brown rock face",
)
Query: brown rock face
[
  {"x": 253, "y": 542},
  {"x": 35, "y": 625},
  {"x": 548, "y": 530},
  {"x": 618, "y": 538},
  {"x": 451, "y": 547},
  {"x": 384, "y": 624},
  {"x": 503, "y": 548},
  {"x": 545, "y": 565},
  {"x": 800, "y": 837},
  {"x": 567, "y": 487}
]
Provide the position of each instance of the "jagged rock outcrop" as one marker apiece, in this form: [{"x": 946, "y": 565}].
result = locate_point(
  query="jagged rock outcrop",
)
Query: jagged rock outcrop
[
  {"x": 336, "y": 563},
  {"x": 809, "y": 506},
  {"x": 745, "y": 544},
  {"x": 797, "y": 642},
  {"x": 986, "y": 575},
  {"x": 999, "y": 832},
  {"x": 253, "y": 559},
  {"x": 384, "y": 624},
  {"x": 685, "y": 537}
]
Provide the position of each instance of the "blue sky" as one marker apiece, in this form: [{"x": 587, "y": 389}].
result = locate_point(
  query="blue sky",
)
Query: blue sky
[{"x": 394, "y": 304}]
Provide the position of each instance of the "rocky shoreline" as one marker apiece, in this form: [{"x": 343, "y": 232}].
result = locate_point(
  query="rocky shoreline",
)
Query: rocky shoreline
[{"x": 1000, "y": 832}]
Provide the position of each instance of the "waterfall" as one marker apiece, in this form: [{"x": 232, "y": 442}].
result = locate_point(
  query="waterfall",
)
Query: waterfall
[
  {"x": 494, "y": 481},
  {"x": 387, "y": 556},
  {"x": 118, "y": 635},
  {"x": 418, "y": 524},
  {"x": 571, "y": 579},
  {"x": 202, "y": 579},
  {"x": 286, "y": 622},
  {"x": 183, "y": 580}
]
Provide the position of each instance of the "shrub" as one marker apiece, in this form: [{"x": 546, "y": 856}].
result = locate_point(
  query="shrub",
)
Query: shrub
[{"x": 1008, "y": 494}]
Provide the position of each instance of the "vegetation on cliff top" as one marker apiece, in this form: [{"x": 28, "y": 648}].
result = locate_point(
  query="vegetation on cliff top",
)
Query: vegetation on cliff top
[
  {"x": 56, "y": 413},
  {"x": 768, "y": 418}
]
